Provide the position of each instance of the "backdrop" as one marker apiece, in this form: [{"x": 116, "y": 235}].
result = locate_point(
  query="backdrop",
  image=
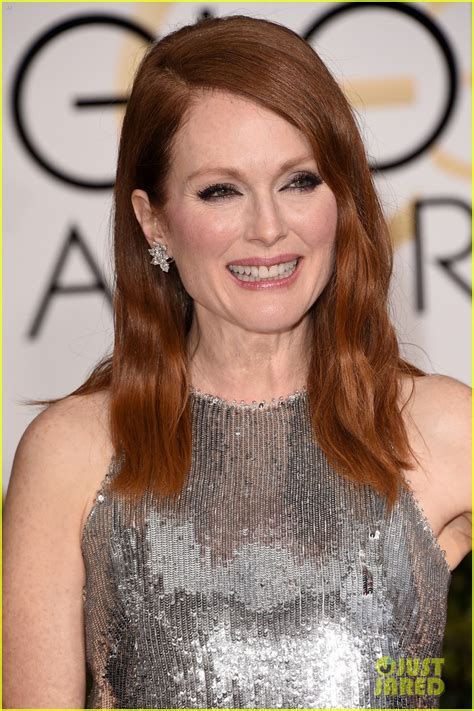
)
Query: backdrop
[{"x": 67, "y": 73}]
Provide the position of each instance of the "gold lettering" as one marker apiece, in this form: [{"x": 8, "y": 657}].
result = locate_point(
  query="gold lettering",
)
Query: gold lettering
[
  {"x": 379, "y": 685},
  {"x": 413, "y": 666},
  {"x": 435, "y": 685},
  {"x": 390, "y": 686},
  {"x": 406, "y": 686},
  {"x": 426, "y": 667},
  {"x": 385, "y": 665},
  {"x": 420, "y": 686}
]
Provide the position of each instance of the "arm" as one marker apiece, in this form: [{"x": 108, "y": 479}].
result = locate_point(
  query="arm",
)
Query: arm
[
  {"x": 441, "y": 414},
  {"x": 455, "y": 434},
  {"x": 43, "y": 571}
]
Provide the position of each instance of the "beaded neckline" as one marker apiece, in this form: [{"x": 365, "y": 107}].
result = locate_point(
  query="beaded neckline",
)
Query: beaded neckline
[{"x": 279, "y": 402}]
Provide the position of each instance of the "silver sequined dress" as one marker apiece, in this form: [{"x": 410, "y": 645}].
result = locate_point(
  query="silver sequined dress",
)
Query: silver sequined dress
[{"x": 269, "y": 582}]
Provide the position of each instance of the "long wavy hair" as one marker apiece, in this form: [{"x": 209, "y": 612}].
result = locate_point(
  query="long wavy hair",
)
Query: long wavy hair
[{"x": 355, "y": 367}]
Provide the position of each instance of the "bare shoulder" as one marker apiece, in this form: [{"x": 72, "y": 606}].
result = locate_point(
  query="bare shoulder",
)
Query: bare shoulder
[
  {"x": 75, "y": 428},
  {"x": 439, "y": 400},
  {"x": 438, "y": 416},
  {"x": 74, "y": 416},
  {"x": 64, "y": 452},
  {"x": 437, "y": 408},
  {"x": 62, "y": 455}
]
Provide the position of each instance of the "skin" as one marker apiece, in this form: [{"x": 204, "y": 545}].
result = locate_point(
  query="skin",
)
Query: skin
[
  {"x": 64, "y": 454},
  {"x": 249, "y": 340},
  {"x": 439, "y": 426}
]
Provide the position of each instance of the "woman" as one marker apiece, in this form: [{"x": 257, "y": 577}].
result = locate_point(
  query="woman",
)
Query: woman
[{"x": 258, "y": 539}]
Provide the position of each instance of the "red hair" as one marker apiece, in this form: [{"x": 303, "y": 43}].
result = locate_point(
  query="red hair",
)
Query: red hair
[{"x": 353, "y": 382}]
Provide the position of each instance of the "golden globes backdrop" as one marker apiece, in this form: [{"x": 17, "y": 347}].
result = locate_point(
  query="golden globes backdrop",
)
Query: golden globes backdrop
[{"x": 67, "y": 71}]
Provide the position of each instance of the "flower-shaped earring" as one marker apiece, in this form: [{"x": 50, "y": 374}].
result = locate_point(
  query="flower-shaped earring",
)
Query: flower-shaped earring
[{"x": 160, "y": 256}]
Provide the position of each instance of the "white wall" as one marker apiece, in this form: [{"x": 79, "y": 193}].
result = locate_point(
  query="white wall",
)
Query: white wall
[{"x": 393, "y": 69}]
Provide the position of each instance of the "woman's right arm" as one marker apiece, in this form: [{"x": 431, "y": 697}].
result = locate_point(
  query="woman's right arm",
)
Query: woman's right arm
[{"x": 58, "y": 463}]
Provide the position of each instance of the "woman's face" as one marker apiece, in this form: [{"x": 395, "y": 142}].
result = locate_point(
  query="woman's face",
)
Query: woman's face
[{"x": 244, "y": 189}]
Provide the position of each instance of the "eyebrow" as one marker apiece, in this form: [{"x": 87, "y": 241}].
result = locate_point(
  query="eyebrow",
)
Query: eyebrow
[{"x": 236, "y": 173}]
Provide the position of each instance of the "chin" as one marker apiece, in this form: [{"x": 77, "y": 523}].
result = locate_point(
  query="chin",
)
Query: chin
[{"x": 267, "y": 324}]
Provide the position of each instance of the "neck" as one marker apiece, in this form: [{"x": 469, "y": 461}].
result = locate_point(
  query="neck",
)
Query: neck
[{"x": 236, "y": 364}]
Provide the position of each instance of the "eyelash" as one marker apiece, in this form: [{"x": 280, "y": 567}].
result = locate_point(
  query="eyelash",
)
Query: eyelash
[{"x": 207, "y": 193}]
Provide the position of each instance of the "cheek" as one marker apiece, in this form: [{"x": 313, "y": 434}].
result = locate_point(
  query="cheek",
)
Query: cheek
[
  {"x": 198, "y": 243},
  {"x": 196, "y": 236},
  {"x": 319, "y": 227}
]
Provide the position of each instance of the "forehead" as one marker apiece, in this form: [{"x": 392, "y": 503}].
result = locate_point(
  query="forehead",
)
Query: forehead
[{"x": 223, "y": 126}]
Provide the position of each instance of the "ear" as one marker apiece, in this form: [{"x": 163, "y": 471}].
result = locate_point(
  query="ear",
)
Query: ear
[{"x": 147, "y": 218}]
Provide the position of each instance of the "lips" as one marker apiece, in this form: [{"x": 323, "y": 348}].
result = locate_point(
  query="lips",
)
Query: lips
[
  {"x": 245, "y": 281},
  {"x": 262, "y": 261}
]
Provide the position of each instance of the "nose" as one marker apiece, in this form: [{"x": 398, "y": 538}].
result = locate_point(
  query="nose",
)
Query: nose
[{"x": 265, "y": 221}]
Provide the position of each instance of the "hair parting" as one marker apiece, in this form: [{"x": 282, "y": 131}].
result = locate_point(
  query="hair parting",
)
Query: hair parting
[{"x": 353, "y": 384}]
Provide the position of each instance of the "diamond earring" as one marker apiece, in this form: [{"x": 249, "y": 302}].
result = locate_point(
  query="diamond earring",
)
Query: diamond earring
[{"x": 160, "y": 256}]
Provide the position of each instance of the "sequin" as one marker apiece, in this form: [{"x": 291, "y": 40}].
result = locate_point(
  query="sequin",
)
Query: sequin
[{"x": 269, "y": 582}]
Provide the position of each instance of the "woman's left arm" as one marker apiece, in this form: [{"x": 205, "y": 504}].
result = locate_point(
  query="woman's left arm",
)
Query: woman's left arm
[{"x": 452, "y": 426}]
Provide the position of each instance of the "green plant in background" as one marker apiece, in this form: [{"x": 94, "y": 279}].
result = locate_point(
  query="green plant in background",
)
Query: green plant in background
[{"x": 457, "y": 645}]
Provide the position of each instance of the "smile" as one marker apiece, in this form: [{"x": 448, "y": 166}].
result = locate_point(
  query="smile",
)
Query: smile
[{"x": 254, "y": 273}]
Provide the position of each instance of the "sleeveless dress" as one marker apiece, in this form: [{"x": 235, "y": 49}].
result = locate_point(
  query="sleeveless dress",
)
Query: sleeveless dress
[{"x": 270, "y": 581}]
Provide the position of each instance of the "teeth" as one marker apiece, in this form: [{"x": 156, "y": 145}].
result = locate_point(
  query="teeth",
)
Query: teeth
[{"x": 253, "y": 273}]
